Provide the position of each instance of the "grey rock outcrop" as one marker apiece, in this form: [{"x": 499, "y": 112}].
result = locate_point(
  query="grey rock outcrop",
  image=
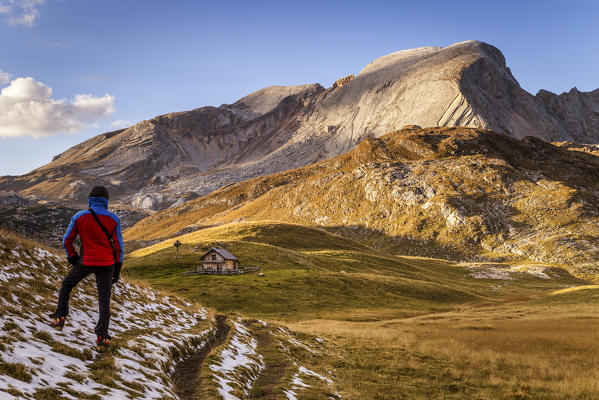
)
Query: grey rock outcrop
[
  {"x": 166, "y": 160},
  {"x": 575, "y": 113},
  {"x": 11, "y": 199}
]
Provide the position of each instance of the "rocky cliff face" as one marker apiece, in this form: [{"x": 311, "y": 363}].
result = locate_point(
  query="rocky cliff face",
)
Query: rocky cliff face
[
  {"x": 176, "y": 157},
  {"x": 576, "y": 114}
]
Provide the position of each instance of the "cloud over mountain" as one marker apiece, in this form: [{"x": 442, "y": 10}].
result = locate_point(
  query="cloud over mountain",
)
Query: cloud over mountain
[{"x": 27, "y": 108}]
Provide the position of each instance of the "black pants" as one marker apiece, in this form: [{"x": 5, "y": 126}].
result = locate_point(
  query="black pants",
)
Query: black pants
[{"x": 104, "y": 285}]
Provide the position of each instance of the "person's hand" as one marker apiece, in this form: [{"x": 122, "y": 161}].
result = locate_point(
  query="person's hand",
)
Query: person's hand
[
  {"x": 117, "y": 272},
  {"x": 73, "y": 260}
]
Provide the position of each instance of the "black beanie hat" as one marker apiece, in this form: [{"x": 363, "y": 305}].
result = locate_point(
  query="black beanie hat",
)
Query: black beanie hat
[{"x": 99, "y": 191}]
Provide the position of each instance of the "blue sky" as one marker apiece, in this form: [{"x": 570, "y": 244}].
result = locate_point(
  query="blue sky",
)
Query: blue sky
[{"x": 133, "y": 60}]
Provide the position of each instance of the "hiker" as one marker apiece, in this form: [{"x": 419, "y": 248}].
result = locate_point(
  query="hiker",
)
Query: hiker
[{"x": 101, "y": 254}]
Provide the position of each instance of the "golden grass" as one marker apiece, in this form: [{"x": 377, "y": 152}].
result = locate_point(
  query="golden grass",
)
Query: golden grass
[
  {"x": 252, "y": 231},
  {"x": 15, "y": 370},
  {"x": 506, "y": 353},
  {"x": 575, "y": 288}
]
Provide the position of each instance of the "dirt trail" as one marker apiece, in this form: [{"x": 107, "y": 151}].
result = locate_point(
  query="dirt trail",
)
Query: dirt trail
[
  {"x": 187, "y": 373},
  {"x": 267, "y": 386}
]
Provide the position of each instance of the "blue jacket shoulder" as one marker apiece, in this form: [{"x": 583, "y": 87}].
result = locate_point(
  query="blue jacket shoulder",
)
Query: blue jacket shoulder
[{"x": 79, "y": 214}]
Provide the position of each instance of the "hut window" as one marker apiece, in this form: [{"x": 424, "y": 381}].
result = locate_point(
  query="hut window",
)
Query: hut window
[{"x": 214, "y": 257}]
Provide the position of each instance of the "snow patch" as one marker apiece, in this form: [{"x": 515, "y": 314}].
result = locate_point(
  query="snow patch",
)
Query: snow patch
[
  {"x": 297, "y": 383},
  {"x": 240, "y": 364},
  {"x": 482, "y": 271}
]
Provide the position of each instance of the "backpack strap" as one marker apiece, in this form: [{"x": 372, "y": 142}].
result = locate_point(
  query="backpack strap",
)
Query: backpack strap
[{"x": 108, "y": 235}]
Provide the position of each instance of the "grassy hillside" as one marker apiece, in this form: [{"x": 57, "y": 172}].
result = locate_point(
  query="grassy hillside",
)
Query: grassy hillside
[
  {"x": 453, "y": 193},
  {"x": 311, "y": 273},
  {"x": 545, "y": 349}
]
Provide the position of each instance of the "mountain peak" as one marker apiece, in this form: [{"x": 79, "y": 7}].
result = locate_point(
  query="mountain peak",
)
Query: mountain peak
[
  {"x": 168, "y": 159},
  {"x": 405, "y": 59}
]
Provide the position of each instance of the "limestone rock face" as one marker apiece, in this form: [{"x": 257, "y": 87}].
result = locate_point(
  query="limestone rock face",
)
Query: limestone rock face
[
  {"x": 575, "y": 112},
  {"x": 162, "y": 161}
]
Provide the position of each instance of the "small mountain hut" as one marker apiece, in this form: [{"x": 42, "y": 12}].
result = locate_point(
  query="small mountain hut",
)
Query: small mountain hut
[{"x": 219, "y": 260}]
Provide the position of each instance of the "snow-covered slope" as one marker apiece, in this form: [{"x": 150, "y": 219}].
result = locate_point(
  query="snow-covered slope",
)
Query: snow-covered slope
[
  {"x": 238, "y": 359},
  {"x": 150, "y": 332}
]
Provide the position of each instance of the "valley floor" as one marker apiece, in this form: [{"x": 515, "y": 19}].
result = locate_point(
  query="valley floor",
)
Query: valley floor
[{"x": 513, "y": 352}]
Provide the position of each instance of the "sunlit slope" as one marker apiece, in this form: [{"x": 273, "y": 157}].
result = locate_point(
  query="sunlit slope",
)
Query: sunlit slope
[
  {"x": 174, "y": 157},
  {"x": 440, "y": 192},
  {"x": 309, "y": 272}
]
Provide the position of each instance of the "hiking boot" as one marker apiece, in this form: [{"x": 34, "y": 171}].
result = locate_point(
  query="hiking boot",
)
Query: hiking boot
[
  {"x": 58, "y": 323},
  {"x": 102, "y": 343}
]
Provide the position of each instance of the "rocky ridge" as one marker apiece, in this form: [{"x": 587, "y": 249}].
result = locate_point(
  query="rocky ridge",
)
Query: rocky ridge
[{"x": 176, "y": 157}]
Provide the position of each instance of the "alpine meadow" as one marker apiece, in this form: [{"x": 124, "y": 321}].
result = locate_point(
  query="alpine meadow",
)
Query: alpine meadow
[{"x": 422, "y": 228}]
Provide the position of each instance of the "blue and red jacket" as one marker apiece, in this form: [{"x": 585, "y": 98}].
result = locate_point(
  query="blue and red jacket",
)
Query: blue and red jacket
[{"x": 95, "y": 246}]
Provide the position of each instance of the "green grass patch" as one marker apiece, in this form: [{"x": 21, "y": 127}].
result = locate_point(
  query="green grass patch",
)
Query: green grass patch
[
  {"x": 310, "y": 277},
  {"x": 310, "y": 273}
]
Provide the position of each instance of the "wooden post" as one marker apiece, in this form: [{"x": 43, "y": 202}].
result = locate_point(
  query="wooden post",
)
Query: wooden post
[{"x": 177, "y": 244}]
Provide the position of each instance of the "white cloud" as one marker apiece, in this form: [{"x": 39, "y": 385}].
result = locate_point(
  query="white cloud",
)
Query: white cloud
[
  {"x": 21, "y": 12},
  {"x": 60, "y": 44},
  {"x": 27, "y": 109},
  {"x": 121, "y": 124},
  {"x": 4, "y": 77}
]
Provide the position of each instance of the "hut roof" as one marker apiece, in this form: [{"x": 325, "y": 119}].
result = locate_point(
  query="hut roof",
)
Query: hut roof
[{"x": 223, "y": 252}]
